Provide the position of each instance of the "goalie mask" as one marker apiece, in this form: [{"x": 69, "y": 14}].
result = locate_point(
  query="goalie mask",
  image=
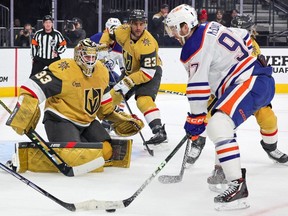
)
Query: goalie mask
[
  {"x": 85, "y": 55},
  {"x": 177, "y": 17}
]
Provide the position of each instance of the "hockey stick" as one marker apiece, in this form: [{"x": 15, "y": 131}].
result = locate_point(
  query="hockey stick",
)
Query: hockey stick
[
  {"x": 69, "y": 206},
  {"x": 150, "y": 151},
  {"x": 171, "y": 92},
  {"x": 97, "y": 204},
  {"x": 55, "y": 158},
  {"x": 109, "y": 67},
  {"x": 169, "y": 179},
  {"x": 113, "y": 205}
]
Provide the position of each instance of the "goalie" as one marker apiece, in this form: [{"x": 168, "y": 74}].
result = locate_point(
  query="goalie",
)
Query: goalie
[{"x": 76, "y": 92}]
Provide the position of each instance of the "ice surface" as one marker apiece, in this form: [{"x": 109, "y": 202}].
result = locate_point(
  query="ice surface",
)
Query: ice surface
[{"x": 267, "y": 182}]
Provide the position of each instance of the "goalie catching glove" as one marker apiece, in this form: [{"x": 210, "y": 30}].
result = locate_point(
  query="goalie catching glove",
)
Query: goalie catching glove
[
  {"x": 25, "y": 115},
  {"x": 124, "y": 85},
  {"x": 125, "y": 124}
]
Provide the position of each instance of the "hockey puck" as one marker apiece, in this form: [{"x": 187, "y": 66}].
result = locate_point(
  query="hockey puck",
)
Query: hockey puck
[{"x": 110, "y": 210}]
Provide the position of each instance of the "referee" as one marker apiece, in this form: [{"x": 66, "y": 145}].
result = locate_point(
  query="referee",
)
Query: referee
[{"x": 46, "y": 46}]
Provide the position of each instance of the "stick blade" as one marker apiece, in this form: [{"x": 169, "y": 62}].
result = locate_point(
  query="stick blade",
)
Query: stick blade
[
  {"x": 86, "y": 167},
  {"x": 169, "y": 179},
  {"x": 99, "y": 205}
]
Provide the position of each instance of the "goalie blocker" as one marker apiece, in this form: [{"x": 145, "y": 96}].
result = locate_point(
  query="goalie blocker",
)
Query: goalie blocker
[{"x": 28, "y": 157}]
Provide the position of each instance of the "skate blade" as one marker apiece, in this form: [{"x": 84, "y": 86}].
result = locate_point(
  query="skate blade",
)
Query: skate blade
[
  {"x": 156, "y": 144},
  {"x": 159, "y": 147},
  {"x": 237, "y": 204},
  {"x": 278, "y": 163},
  {"x": 218, "y": 188}
]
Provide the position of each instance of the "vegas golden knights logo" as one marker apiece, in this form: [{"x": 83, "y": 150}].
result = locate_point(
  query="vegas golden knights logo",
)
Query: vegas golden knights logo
[{"x": 92, "y": 100}]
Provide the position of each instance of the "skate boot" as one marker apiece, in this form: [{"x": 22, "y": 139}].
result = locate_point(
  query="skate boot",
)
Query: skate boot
[
  {"x": 217, "y": 181},
  {"x": 275, "y": 154},
  {"x": 10, "y": 165},
  {"x": 159, "y": 137},
  {"x": 196, "y": 149},
  {"x": 235, "y": 197}
]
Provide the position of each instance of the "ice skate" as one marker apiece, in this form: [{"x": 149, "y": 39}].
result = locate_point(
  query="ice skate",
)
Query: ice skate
[
  {"x": 217, "y": 181},
  {"x": 10, "y": 165},
  {"x": 235, "y": 197},
  {"x": 159, "y": 137},
  {"x": 275, "y": 154},
  {"x": 196, "y": 149}
]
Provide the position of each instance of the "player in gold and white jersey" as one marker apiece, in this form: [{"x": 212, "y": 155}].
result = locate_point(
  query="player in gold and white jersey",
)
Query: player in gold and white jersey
[
  {"x": 76, "y": 93},
  {"x": 143, "y": 70}
]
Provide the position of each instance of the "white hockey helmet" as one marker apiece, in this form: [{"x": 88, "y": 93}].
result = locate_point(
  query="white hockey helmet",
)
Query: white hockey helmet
[
  {"x": 85, "y": 55},
  {"x": 181, "y": 14},
  {"x": 112, "y": 23}
]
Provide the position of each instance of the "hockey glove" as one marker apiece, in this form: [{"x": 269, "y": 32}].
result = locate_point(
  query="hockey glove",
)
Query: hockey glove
[
  {"x": 125, "y": 124},
  {"x": 25, "y": 115},
  {"x": 195, "y": 124},
  {"x": 124, "y": 85},
  {"x": 110, "y": 64}
]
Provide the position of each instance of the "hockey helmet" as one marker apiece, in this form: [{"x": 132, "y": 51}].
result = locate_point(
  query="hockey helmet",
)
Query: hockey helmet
[
  {"x": 242, "y": 21},
  {"x": 112, "y": 23},
  {"x": 85, "y": 55},
  {"x": 181, "y": 14},
  {"x": 138, "y": 14}
]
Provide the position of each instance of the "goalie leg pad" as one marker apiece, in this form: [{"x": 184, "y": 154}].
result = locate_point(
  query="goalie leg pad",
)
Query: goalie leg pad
[
  {"x": 107, "y": 150},
  {"x": 32, "y": 159},
  {"x": 121, "y": 157}
]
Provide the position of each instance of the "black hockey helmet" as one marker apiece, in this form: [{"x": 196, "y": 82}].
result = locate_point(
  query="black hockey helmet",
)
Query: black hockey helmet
[
  {"x": 242, "y": 21},
  {"x": 138, "y": 14}
]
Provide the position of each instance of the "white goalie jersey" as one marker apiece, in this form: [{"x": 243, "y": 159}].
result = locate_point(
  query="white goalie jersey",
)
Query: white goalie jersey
[{"x": 215, "y": 57}]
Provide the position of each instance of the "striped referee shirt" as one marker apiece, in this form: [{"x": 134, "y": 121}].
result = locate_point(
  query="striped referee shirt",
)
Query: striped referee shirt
[{"x": 43, "y": 44}]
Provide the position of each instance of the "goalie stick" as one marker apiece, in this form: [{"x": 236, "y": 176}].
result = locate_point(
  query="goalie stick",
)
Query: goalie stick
[
  {"x": 97, "y": 204},
  {"x": 69, "y": 206},
  {"x": 170, "y": 179},
  {"x": 55, "y": 158}
]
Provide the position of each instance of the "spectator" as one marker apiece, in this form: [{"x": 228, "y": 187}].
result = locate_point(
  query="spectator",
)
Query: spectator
[
  {"x": 219, "y": 17},
  {"x": 46, "y": 45},
  {"x": 233, "y": 14},
  {"x": 157, "y": 25},
  {"x": 17, "y": 26},
  {"x": 74, "y": 32},
  {"x": 23, "y": 39},
  {"x": 203, "y": 17},
  {"x": 17, "y": 23}
]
